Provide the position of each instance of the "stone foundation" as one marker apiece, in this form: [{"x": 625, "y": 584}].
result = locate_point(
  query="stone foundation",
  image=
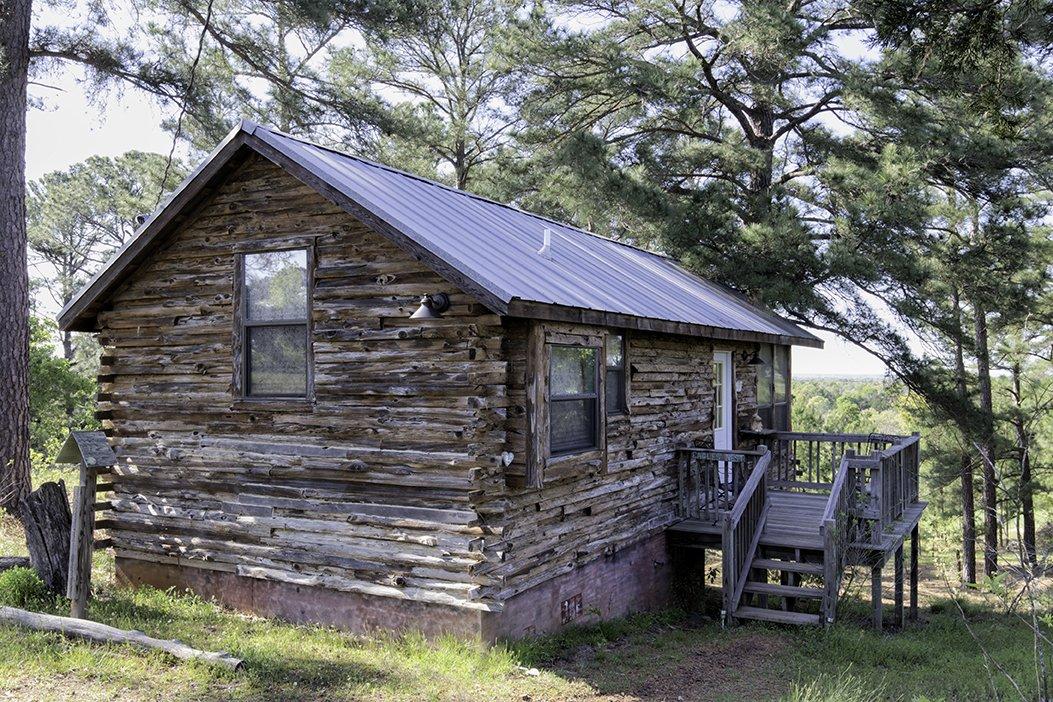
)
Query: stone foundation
[{"x": 634, "y": 579}]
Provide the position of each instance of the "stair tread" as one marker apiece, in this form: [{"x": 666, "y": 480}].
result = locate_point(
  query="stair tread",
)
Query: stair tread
[
  {"x": 783, "y": 590},
  {"x": 777, "y": 615},
  {"x": 788, "y": 566}
]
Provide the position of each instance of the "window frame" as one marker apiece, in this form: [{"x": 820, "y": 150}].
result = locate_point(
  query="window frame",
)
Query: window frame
[
  {"x": 623, "y": 377},
  {"x": 596, "y": 396},
  {"x": 541, "y": 466},
  {"x": 243, "y": 325},
  {"x": 775, "y": 414}
]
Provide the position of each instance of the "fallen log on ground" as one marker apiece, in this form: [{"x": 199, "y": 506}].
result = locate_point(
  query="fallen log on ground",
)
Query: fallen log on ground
[
  {"x": 9, "y": 562},
  {"x": 101, "y": 633}
]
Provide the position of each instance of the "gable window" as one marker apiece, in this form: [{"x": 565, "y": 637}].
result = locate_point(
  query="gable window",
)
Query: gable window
[
  {"x": 615, "y": 374},
  {"x": 274, "y": 320},
  {"x": 773, "y": 386},
  {"x": 574, "y": 404}
]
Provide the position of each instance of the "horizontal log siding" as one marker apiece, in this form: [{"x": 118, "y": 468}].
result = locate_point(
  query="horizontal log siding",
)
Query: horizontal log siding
[
  {"x": 370, "y": 490},
  {"x": 576, "y": 519}
]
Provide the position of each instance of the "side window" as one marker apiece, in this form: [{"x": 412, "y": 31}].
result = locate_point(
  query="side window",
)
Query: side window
[
  {"x": 764, "y": 376},
  {"x": 615, "y": 377},
  {"x": 773, "y": 386},
  {"x": 718, "y": 391},
  {"x": 781, "y": 388},
  {"x": 274, "y": 320},
  {"x": 573, "y": 399}
]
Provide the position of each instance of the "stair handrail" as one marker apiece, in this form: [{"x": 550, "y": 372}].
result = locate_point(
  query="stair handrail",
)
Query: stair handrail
[
  {"x": 741, "y": 532},
  {"x": 836, "y": 529}
]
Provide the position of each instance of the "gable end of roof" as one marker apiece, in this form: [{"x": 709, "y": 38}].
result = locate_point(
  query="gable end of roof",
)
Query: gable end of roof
[{"x": 487, "y": 249}]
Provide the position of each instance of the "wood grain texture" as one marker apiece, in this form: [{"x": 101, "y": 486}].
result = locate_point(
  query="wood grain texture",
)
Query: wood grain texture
[
  {"x": 366, "y": 487},
  {"x": 407, "y": 474},
  {"x": 102, "y": 633}
]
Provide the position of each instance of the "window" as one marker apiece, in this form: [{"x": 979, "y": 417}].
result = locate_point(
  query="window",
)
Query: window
[
  {"x": 274, "y": 314},
  {"x": 573, "y": 399},
  {"x": 764, "y": 376},
  {"x": 718, "y": 389},
  {"x": 773, "y": 386},
  {"x": 615, "y": 374}
]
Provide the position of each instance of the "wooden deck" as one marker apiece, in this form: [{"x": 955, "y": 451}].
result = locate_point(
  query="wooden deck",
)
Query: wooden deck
[
  {"x": 793, "y": 522},
  {"x": 773, "y": 513}
]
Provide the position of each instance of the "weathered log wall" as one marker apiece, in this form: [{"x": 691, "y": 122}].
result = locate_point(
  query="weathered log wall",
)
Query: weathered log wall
[
  {"x": 588, "y": 512},
  {"x": 367, "y": 488},
  {"x": 392, "y": 480}
]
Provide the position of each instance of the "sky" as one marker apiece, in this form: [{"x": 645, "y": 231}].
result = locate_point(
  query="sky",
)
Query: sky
[{"x": 69, "y": 128}]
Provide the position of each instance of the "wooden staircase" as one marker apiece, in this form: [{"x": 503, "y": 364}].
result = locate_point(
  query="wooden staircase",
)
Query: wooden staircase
[
  {"x": 777, "y": 602},
  {"x": 801, "y": 514}
]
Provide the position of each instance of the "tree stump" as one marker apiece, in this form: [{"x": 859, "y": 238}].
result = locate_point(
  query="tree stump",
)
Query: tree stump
[{"x": 47, "y": 521}]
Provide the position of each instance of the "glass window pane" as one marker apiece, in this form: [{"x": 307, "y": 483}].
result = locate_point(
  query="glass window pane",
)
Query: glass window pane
[
  {"x": 782, "y": 368},
  {"x": 615, "y": 390},
  {"x": 718, "y": 392},
  {"x": 277, "y": 360},
  {"x": 615, "y": 351},
  {"x": 764, "y": 376},
  {"x": 572, "y": 371},
  {"x": 572, "y": 424},
  {"x": 276, "y": 285}
]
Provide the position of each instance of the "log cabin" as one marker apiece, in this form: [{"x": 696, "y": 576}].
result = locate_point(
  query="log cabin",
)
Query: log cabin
[{"x": 342, "y": 393}]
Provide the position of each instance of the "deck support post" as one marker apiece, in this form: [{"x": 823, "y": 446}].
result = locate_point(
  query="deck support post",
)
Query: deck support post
[
  {"x": 898, "y": 570},
  {"x": 760, "y": 575},
  {"x": 914, "y": 549},
  {"x": 875, "y": 592}
]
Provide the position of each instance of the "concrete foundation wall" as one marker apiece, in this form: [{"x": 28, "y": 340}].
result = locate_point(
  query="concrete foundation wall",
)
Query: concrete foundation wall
[{"x": 635, "y": 579}]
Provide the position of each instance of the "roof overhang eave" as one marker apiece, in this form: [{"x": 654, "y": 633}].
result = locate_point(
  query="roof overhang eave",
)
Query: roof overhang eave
[{"x": 558, "y": 313}]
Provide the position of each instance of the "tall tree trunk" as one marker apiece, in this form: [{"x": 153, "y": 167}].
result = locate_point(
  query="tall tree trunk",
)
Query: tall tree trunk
[
  {"x": 14, "y": 274},
  {"x": 986, "y": 441},
  {"x": 1023, "y": 447},
  {"x": 968, "y": 489}
]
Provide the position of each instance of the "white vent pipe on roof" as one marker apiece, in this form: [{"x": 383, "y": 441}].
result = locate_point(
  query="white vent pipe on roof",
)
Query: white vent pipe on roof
[{"x": 546, "y": 246}]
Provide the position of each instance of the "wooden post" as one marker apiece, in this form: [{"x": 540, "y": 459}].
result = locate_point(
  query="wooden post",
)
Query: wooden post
[
  {"x": 875, "y": 592},
  {"x": 914, "y": 548},
  {"x": 92, "y": 451},
  {"x": 727, "y": 568},
  {"x": 898, "y": 568},
  {"x": 760, "y": 575},
  {"x": 81, "y": 543}
]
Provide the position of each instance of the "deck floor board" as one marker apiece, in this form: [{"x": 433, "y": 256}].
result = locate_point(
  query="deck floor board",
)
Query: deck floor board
[{"x": 793, "y": 522}]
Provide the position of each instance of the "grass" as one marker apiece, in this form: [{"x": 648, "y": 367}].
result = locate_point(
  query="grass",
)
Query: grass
[{"x": 665, "y": 656}]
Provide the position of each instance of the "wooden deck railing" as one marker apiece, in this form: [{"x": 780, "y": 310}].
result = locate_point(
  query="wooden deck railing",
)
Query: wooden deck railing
[
  {"x": 868, "y": 494},
  {"x": 809, "y": 461},
  {"x": 742, "y": 531},
  {"x": 839, "y": 529},
  {"x": 728, "y": 489},
  {"x": 897, "y": 482},
  {"x": 711, "y": 481}
]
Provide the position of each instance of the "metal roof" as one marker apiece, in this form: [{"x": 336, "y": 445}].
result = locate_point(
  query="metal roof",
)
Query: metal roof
[{"x": 492, "y": 249}]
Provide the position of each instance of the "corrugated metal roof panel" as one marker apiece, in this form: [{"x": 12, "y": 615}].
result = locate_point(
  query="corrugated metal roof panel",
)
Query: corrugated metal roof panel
[
  {"x": 497, "y": 245},
  {"x": 489, "y": 245}
]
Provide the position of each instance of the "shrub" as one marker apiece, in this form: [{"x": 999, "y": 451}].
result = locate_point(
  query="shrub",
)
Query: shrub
[{"x": 22, "y": 587}]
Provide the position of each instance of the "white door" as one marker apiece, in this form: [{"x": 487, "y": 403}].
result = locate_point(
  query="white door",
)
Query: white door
[{"x": 722, "y": 399}]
